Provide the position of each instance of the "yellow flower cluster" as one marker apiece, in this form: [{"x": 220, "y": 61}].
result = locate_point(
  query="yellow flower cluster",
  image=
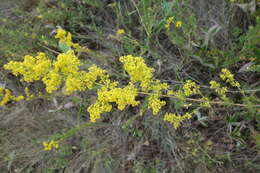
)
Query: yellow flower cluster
[
  {"x": 189, "y": 88},
  {"x": 52, "y": 81},
  {"x": 140, "y": 72},
  {"x": 156, "y": 88},
  {"x": 6, "y": 96},
  {"x": 218, "y": 89},
  {"x": 168, "y": 23},
  {"x": 176, "y": 120},
  {"x": 65, "y": 69},
  {"x": 67, "y": 63},
  {"x": 155, "y": 103},
  {"x": 121, "y": 96},
  {"x": 137, "y": 70},
  {"x": 32, "y": 68},
  {"x": 66, "y": 38},
  {"x": 50, "y": 145},
  {"x": 120, "y": 32},
  {"x": 227, "y": 76},
  {"x": 178, "y": 24},
  {"x": 65, "y": 66}
]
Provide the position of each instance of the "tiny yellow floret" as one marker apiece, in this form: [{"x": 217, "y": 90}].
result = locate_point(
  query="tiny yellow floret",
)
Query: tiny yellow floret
[
  {"x": 168, "y": 23},
  {"x": 178, "y": 24},
  {"x": 120, "y": 32},
  {"x": 50, "y": 145}
]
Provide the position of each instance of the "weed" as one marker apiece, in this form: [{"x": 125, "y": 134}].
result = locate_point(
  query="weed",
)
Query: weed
[{"x": 126, "y": 61}]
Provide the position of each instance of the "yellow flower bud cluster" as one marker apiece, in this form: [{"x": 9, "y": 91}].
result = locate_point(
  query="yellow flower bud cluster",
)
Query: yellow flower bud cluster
[
  {"x": 139, "y": 72},
  {"x": 66, "y": 38},
  {"x": 189, "y": 88},
  {"x": 121, "y": 96},
  {"x": 65, "y": 69},
  {"x": 50, "y": 145},
  {"x": 6, "y": 96},
  {"x": 218, "y": 89},
  {"x": 228, "y": 77},
  {"x": 176, "y": 120},
  {"x": 156, "y": 88},
  {"x": 120, "y": 32},
  {"x": 178, "y": 24},
  {"x": 32, "y": 68},
  {"x": 168, "y": 23}
]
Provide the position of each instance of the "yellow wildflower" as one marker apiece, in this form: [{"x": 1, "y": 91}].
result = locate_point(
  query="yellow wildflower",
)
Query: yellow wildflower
[
  {"x": 67, "y": 63},
  {"x": 52, "y": 81},
  {"x": 6, "y": 96},
  {"x": 178, "y": 24},
  {"x": 155, "y": 103},
  {"x": 81, "y": 81},
  {"x": 61, "y": 34},
  {"x": 168, "y": 23},
  {"x": 190, "y": 88},
  {"x": 90, "y": 77},
  {"x": 120, "y": 96},
  {"x": 18, "y": 98},
  {"x": 170, "y": 93},
  {"x": 170, "y": 20},
  {"x": 176, "y": 120},
  {"x": 156, "y": 88},
  {"x": 120, "y": 32},
  {"x": 95, "y": 110},
  {"x": 73, "y": 83},
  {"x": 50, "y": 145},
  {"x": 32, "y": 68},
  {"x": 137, "y": 70},
  {"x": 227, "y": 76},
  {"x": 140, "y": 72},
  {"x": 66, "y": 38},
  {"x": 218, "y": 89}
]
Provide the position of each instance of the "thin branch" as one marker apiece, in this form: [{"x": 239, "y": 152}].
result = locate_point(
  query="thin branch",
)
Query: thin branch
[
  {"x": 204, "y": 101},
  {"x": 197, "y": 100},
  {"x": 49, "y": 49}
]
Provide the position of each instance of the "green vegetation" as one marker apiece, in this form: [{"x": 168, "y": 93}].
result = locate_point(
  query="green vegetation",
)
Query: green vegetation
[{"x": 130, "y": 86}]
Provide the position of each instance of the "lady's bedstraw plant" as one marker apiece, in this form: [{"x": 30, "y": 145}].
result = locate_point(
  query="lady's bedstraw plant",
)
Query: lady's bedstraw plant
[
  {"x": 65, "y": 71},
  {"x": 64, "y": 75}
]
